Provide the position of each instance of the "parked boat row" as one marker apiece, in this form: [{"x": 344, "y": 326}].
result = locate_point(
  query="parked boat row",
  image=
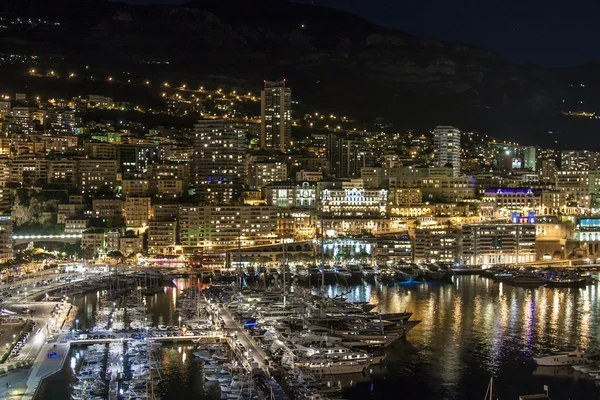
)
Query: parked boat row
[
  {"x": 308, "y": 336},
  {"x": 535, "y": 277}
]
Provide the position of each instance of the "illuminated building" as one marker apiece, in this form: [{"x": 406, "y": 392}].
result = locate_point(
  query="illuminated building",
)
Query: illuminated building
[
  {"x": 134, "y": 159},
  {"x": 580, "y": 187},
  {"x": 6, "y": 243},
  {"x": 107, "y": 208},
  {"x": 101, "y": 150},
  {"x": 345, "y": 199},
  {"x": 218, "y": 228},
  {"x": 587, "y": 233},
  {"x": 138, "y": 211},
  {"x": 135, "y": 187},
  {"x": 297, "y": 224},
  {"x": 218, "y": 166},
  {"x": 446, "y": 148},
  {"x": 276, "y": 116},
  {"x": 498, "y": 244},
  {"x": 5, "y": 109},
  {"x": 309, "y": 176},
  {"x": 344, "y": 157},
  {"x": 131, "y": 245},
  {"x": 547, "y": 171},
  {"x": 448, "y": 188},
  {"x": 394, "y": 246},
  {"x": 437, "y": 244},
  {"x": 170, "y": 171},
  {"x": 164, "y": 188},
  {"x": 291, "y": 195},
  {"x": 66, "y": 211},
  {"x": 165, "y": 211},
  {"x": 579, "y": 160},
  {"x": 406, "y": 196},
  {"x": 76, "y": 224},
  {"x": 161, "y": 237},
  {"x": 553, "y": 201},
  {"x": 374, "y": 177},
  {"x": 96, "y": 174},
  {"x": 261, "y": 174},
  {"x": 92, "y": 243},
  {"x": 62, "y": 172},
  {"x": 28, "y": 171},
  {"x": 509, "y": 200}
]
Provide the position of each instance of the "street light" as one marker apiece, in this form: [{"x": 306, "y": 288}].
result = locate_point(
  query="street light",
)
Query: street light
[
  {"x": 180, "y": 322},
  {"x": 76, "y": 324}
]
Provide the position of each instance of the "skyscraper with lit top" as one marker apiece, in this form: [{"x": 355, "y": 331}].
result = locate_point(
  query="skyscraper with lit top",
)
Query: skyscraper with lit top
[
  {"x": 276, "y": 116},
  {"x": 219, "y": 155},
  {"x": 446, "y": 148}
]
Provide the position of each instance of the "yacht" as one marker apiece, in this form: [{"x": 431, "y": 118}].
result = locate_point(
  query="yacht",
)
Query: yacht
[
  {"x": 323, "y": 366},
  {"x": 562, "y": 359},
  {"x": 526, "y": 280}
]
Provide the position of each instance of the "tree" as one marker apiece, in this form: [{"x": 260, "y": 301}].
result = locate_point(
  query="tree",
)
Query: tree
[
  {"x": 416, "y": 224},
  {"x": 116, "y": 255}
]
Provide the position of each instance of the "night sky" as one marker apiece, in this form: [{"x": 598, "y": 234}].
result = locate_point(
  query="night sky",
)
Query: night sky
[{"x": 551, "y": 32}]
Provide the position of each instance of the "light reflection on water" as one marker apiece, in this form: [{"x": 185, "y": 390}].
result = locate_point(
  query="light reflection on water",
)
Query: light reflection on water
[
  {"x": 474, "y": 328},
  {"x": 470, "y": 329}
]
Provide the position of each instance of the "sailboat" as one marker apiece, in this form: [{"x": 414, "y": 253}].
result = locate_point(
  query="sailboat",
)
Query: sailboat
[{"x": 491, "y": 393}]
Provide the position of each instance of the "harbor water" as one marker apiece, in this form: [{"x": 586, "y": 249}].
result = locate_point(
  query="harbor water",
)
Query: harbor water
[{"x": 471, "y": 329}]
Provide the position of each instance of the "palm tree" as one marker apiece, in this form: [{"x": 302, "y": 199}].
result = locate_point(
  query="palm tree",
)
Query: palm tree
[{"x": 416, "y": 224}]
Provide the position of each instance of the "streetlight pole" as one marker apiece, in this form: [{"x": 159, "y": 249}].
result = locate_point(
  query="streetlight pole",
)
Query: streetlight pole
[
  {"x": 180, "y": 322},
  {"x": 77, "y": 325}
]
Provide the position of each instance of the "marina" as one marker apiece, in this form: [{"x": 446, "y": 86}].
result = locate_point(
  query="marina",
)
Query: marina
[{"x": 347, "y": 338}]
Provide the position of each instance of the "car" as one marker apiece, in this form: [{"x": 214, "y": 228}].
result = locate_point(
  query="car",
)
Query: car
[
  {"x": 95, "y": 337},
  {"x": 102, "y": 337}
]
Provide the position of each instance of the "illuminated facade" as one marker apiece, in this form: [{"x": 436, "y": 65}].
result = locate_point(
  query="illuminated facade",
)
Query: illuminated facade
[
  {"x": 62, "y": 172},
  {"x": 580, "y": 187},
  {"x": 96, "y": 174},
  {"x": 219, "y": 168},
  {"x": 138, "y": 211},
  {"x": 505, "y": 201},
  {"x": 406, "y": 196},
  {"x": 448, "y": 188},
  {"x": 216, "y": 228},
  {"x": 297, "y": 224},
  {"x": 261, "y": 174},
  {"x": 6, "y": 244},
  {"x": 437, "y": 244},
  {"x": 446, "y": 148},
  {"x": 161, "y": 237},
  {"x": 276, "y": 116},
  {"x": 498, "y": 244},
  {"x": 579, "y": 160},
  {"x": 135, "y": 187},
  {"x": 354, "y": 202},
  {"x": 289, "y": 195}
]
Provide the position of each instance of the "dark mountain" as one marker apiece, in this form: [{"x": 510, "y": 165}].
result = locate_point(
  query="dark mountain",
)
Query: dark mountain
[{"x": 333, "y": 60}]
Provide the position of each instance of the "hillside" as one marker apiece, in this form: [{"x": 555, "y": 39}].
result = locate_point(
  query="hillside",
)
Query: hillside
[{"x": 333, "y": 60}]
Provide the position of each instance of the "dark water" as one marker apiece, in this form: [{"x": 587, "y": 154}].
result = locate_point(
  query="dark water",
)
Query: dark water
[{"x": 471, "y": 329}]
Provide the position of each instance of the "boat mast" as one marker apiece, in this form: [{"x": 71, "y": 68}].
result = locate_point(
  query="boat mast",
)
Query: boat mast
[
  {"x": 322, "y": 254},
  {"x": 490, "y": 390},
  {"x": 239, "y": 263},
  {"x": 284, "y": 267}
]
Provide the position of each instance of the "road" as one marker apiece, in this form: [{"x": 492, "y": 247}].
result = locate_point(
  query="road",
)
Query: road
[
  {"x": 253, "y": 350},
  {"x": 24, "y": 382}
]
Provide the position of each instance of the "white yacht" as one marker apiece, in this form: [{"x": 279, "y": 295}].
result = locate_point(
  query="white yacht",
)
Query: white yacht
[{"x": 562, "y": 359}]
